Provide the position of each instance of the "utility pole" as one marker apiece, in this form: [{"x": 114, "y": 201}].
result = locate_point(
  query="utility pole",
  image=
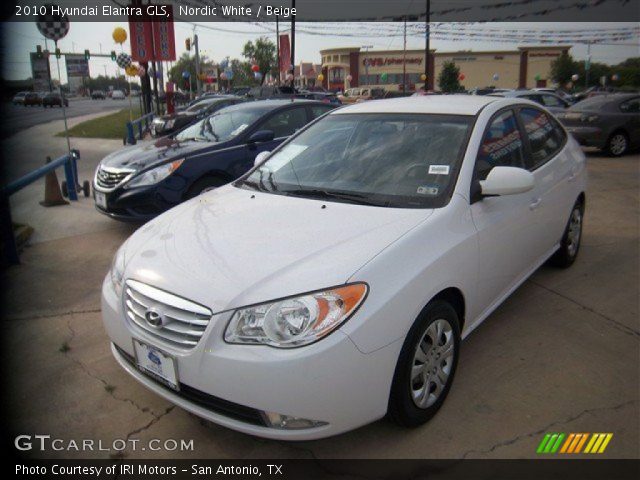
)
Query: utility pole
[
  {"x": 293, "y": 43},
  {"x": 195, "y": 43},
  {"x": 404, "y": 58},
  {"x": 587, "y": 66},
  {"x": 427, "y": 45},
  {"x": 278, "y": 46}
]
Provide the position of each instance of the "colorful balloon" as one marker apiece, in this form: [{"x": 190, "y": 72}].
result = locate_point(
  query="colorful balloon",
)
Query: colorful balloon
[
  {"x": 119, "y": 35},
  {"x": 575, "y": 77},
  {"x": 349, "y": 78},
  {"x": 255, "y": 68},
  {"x": 320, "y": 77},
  {"x": 186, "y": 74},
  {"x": 461, "y": 77},
  {"x": 423, "y": 77}
]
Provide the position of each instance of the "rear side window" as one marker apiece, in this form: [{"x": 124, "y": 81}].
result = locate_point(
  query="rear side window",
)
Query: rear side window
[
  {"x": 630, "y": 106},
  {"x": 319, "y": 110},
  {"x": 551, "y": 101},
  {"x": 545, "y": 136},
  {"x": 286, "y": 122},
  {"x": 501, "y": 145}
]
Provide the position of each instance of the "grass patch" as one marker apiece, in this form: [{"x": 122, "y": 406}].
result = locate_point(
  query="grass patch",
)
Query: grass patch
[{"x": 109, "y": 126}]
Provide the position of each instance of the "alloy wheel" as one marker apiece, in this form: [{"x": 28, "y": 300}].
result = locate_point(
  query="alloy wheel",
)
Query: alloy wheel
[
  {"x": 574, "y": 232},
  {"x": 432, "y": 363},
  {"x": 618, "y": 144}
]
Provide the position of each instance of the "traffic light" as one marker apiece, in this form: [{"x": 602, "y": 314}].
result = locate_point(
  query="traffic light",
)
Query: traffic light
[
  {"x": 87, "y": 55},
  {"x": 113, "y": 55},
  {"x": 38, "y": 51},
  {"x": 58, "y": 54},
  {"x": 187, "y": 43}
]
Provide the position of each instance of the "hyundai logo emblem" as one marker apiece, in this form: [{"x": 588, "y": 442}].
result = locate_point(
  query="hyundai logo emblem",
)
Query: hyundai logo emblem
[{"x": 154, "y": 318}]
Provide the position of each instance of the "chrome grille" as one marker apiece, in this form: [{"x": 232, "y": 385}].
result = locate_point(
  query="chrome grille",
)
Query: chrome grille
[
  {"x": 182, "y": 322},
  {"x": 109, "y": 178}
]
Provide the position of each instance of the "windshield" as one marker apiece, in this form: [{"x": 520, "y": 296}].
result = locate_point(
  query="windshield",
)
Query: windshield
[
  {"x": 219, "y": 127},
  {"x": 389, "y": 160}
]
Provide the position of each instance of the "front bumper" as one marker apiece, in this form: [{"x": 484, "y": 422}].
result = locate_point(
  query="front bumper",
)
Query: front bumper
[
  {"x": 329, "y": 381},
  {"x": 140, "y": 204}
]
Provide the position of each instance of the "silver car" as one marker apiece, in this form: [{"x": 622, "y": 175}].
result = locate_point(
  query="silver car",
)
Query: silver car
[{"x": 552, "y": 102}]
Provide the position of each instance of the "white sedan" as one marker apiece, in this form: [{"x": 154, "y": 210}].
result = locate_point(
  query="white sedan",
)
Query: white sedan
[{"x": 332, "y": 284}]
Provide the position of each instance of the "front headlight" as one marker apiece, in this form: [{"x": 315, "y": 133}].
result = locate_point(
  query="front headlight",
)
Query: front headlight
[
  {"x": 295, "y": 321},
  {"x": 155, "y": 175},
  {"x": 117, "y": 270}
]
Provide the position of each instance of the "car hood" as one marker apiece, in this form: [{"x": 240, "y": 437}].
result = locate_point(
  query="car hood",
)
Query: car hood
[
  {"x": 233, "y": 247},
  {"x": 160, "y": 151}
]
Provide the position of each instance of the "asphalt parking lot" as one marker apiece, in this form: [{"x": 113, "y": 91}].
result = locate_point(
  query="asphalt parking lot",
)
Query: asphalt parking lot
[{"x": 561, "y": 355}]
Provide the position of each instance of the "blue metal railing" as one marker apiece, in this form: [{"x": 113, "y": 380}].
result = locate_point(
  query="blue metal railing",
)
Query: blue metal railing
[
  {"x": 6, "y": 224},
  {"x": 142, "y": 124}
]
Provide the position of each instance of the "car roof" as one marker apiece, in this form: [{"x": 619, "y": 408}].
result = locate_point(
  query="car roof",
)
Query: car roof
[
  {"x": 520, "y": 93},
  {"x": 434, "y": 104},
  {"x": 269, "y": 104}
]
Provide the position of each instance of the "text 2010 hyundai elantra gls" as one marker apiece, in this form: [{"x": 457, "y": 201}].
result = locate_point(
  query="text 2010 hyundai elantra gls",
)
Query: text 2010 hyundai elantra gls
[{"x": 331, "y": 285}]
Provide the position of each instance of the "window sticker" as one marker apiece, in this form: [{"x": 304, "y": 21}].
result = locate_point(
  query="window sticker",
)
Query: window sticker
[
  {"x": 431, "y": 190},
  {"x": 438, "y": 169}
]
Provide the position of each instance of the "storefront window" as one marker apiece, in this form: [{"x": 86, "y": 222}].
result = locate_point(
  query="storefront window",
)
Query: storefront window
[{"x": 336, "y": 74}]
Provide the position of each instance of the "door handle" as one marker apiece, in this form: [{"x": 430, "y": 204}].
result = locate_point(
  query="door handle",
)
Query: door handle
[{"x": 535, "y": 203}]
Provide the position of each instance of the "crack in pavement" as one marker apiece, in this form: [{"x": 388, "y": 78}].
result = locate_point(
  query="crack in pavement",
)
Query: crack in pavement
[
  {"x": 615, "y": 323},
  {"x": 546, "y": 428},
  {"x": 106, "y": 384},
  {"x": 51, "y": 315}
]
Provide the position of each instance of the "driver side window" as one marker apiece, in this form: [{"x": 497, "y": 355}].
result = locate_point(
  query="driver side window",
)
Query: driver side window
[{"x": 501, "y": 145}]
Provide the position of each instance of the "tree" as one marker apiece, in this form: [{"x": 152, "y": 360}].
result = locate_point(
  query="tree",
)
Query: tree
[
  {"x": 448, "y": 80},
  {"x": 242, "y": 74},
  {"x": 263, "y": 51},
  {"x": 187, "y": 63},
  {"x": 562, "y": 69}
]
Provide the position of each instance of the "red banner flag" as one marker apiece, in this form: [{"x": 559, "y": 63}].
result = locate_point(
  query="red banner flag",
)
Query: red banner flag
[
  {"x": 141, "y": 37},
  {"x": 284, "y": 61},
  {"x": 164, "y": 40}
]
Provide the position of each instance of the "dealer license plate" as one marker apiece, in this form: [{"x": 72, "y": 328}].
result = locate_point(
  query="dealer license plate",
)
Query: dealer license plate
[
  {"x": 157, "y": 364},
  {"x": 101, "y": 200}
]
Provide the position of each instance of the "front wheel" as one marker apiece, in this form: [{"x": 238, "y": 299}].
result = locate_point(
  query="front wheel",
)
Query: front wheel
[
  {"x": 570, "y": 243},
  {"x": 426, "y": 365},
  {"x": 618, "y": 144}
]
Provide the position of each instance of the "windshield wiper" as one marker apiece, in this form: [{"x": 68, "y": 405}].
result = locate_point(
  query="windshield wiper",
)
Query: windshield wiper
[
  {"x": 356, "y": 198},
  {"x": 251, "y": 184}
]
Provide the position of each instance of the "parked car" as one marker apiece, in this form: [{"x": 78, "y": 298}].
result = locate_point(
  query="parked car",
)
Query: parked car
[
  {"x": 326, "y": 97},
  {"x": 271, "y": 91},
  {"x": 610, "y": 122},
  {"x": 486, "y": 90},
  {"x": 98, "y": 95},
  {"x": 354, "y": 95},
  {"x": 117, "y": 95},
  {"x": 332, "y": 284},
  {"x": 557, "y": 91},
  {"x": 240, "y": 90},
  {"x": 138, "y": 183},
  {"x": 167, "y": 124},
  {"x": 54, "y": 99},
  {"x": 32, "y": 99},
  {"x": 19, "y": 97},
  {"x": 551, "y": 101}
]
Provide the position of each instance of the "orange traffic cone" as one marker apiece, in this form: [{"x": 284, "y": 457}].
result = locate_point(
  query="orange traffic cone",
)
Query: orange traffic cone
[{"x": 52, "y": 193}]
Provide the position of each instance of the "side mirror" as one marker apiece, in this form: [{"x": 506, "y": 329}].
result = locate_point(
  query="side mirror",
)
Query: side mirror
[
  {"x": 261, "y": 157},
  {"x": 262, "y": 136},
  {"x": 507, "y": 181}
]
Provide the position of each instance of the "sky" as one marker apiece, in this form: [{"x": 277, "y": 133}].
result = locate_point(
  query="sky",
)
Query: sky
[{"x": 20, "y": 38}]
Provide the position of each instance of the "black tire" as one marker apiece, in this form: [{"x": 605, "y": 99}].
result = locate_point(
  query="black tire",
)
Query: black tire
[
  {"x": 65, "y": 190},
  {"x": 204, "y": 184},
  {"x": 402, "y": 407},
  {"x": 617, "y": 144},
  {"x": 569, "y": 246},
  {"x": 86, "y": 188}
]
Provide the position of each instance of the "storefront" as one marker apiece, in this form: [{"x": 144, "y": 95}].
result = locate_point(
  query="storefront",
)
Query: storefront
[{"x": 526, "y": 67}]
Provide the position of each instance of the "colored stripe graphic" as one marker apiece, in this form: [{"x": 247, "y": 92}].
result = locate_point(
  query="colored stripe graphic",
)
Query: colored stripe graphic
[{"x": 573, "y": 443}]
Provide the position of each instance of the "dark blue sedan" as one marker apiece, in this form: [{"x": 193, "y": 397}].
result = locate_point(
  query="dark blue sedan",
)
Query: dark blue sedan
[{"x": 138, "y": 183}]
